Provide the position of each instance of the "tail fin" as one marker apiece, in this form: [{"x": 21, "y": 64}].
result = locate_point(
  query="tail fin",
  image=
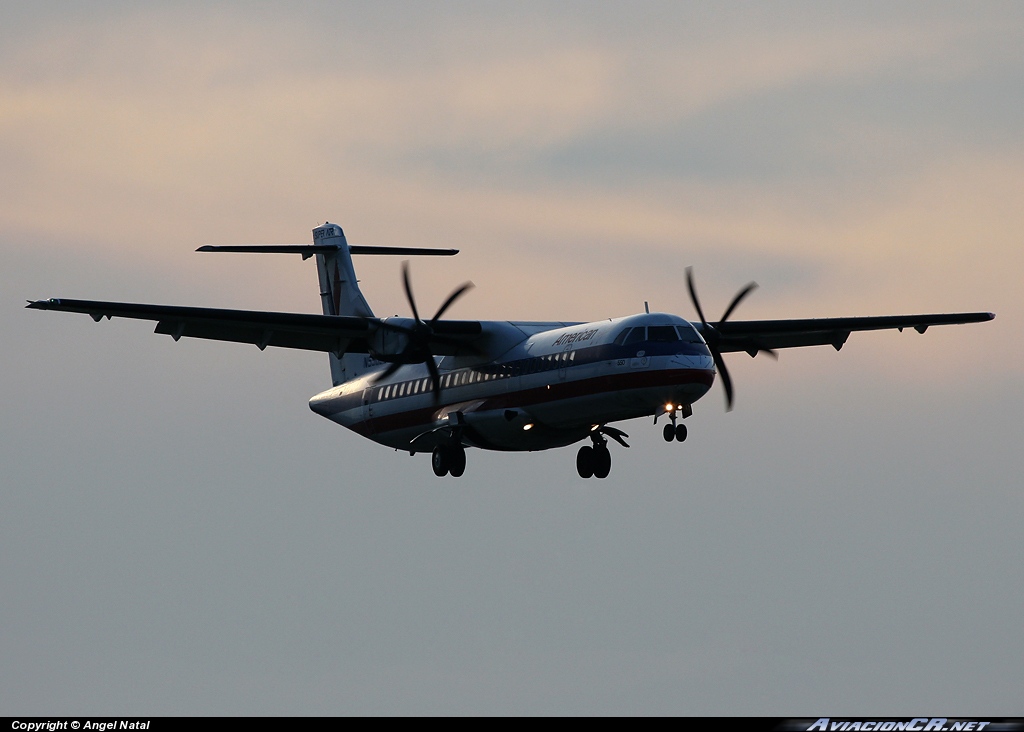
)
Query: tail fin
[
  {"x": 339, "y": 294},
  {"x": 339, "y": 289}
]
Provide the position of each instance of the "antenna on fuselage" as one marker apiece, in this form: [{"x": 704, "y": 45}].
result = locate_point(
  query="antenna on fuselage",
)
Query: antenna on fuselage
[{"x": 647, "y": 308}]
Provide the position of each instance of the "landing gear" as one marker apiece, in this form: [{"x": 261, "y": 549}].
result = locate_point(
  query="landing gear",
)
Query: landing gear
[
  {"x": 457, "y": 461},
  {"x": 448, "y": 460},
  {"x": 439, "y": 461},
  {"x": 594, "y": 461},
  {"x": 674, "y": 430},
  {"x": 585, "y": 461},
  {"x": 602, "y": 461}
]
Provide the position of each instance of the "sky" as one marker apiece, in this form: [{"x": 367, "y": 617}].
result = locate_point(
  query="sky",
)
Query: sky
[{"x": 179, "y": 534}]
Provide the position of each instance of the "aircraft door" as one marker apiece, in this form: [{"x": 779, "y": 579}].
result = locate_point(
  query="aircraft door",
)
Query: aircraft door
[
  {"x": 368, "y": 410},
  {"x": 563, "y": 362}
]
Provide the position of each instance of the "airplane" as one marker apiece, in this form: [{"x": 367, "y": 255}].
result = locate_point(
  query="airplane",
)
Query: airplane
[{"x": 441, "y": 386}]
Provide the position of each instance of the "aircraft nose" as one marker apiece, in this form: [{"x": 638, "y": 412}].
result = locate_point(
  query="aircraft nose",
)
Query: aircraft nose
[{"x": 701, "y": 361}]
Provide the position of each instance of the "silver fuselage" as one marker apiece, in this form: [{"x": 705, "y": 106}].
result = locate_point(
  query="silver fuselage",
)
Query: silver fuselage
[{"x": 549, "y": 386}]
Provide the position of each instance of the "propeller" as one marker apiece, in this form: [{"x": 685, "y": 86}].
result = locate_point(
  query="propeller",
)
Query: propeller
[
  {"x": 419, "y": 336},
  {"x": 713, "y": 337}
]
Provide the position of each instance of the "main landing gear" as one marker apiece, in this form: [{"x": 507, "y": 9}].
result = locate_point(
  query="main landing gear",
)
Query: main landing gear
[
  {"x": 596, "y": 460},
  {"x": 448, "y": 460}
]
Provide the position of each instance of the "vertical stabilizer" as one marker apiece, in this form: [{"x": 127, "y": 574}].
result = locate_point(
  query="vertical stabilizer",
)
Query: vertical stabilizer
[{"x": 339, "y": 294}]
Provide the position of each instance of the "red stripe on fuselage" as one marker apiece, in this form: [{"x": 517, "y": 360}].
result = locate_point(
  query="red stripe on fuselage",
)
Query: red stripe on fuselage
[{"x": 551, "y": 392}]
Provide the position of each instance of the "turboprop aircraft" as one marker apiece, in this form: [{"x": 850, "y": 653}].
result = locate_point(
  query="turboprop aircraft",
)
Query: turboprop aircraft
[{"x": 440, "y": 386}]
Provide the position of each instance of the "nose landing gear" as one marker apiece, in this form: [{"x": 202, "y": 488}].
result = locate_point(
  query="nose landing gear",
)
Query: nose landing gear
[{"x": 674, "y": 430}]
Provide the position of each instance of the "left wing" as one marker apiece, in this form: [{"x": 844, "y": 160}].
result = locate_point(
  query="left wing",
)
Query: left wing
[
  {"x": 336, "y": 334},
  {"x": 754, "y": 335}
]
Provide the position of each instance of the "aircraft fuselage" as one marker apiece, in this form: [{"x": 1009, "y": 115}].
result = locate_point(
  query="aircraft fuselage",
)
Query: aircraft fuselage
[{"x": 551, "y": 385}]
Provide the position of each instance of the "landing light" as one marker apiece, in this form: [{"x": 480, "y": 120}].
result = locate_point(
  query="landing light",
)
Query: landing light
[
  {"x": 670, "y": 407},
  {"x": 528, "y": 426}
]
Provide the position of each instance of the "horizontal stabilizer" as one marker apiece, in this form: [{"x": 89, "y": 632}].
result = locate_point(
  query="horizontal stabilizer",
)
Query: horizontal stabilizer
[{"x": 308, "y": 250}]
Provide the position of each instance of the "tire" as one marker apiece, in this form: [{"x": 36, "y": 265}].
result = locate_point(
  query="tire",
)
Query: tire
[
  {"x": 669, "y": 433},
  {"x": 602, "y": 462},
  {"x": 585, "y": 461},
  {"x": 439, "y": 461},
  {"x": 680, "y": 432},
  {"x": 457, "y": 462}
]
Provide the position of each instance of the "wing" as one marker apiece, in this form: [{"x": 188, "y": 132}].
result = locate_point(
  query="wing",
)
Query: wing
[
  {"x": 754, "y": 335},
  {"x": 329, "y": 333}
]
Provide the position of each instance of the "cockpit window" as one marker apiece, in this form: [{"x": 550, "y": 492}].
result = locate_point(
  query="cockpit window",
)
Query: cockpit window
[
  {"x": 636, "y": 335},
  {"x": 662, "y": 334},
  {"x": 621, "y": 337},
  {"x": 688, "y": 334}
]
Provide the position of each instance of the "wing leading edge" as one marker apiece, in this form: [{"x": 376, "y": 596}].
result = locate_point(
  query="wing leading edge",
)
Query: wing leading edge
[
  {"x": 336, "y": 334},
  {"x": 754, "y": 335}
]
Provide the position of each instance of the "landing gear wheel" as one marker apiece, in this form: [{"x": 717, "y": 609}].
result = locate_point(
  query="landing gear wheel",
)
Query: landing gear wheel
[
  {"x": 440, "y": 461},
  {"x": 669, "y": 432},
  {"x": 680, "y": 433},
  {"x": 457, "y": 461},
  {"x": 585, "y": 461},
  {"x": 602, "y": 462}
]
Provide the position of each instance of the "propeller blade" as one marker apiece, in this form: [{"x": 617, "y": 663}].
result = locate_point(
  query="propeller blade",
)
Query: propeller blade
[
  {"x": 387, "y": 372},
  {"x": 435, "y": 378},
  {"x": 726, "y": 379},
  {"x": 456, "y": 294},
  {"x": 736, "y": 300},
  {"x": 408, "y": 290},
  {"x": 693, "y": 295}
]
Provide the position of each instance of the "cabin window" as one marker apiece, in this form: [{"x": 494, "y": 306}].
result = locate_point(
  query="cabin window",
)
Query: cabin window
[
  {"x": 637, "y": 335},
  {"x": 662, "y": 334}
]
